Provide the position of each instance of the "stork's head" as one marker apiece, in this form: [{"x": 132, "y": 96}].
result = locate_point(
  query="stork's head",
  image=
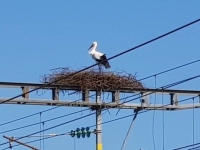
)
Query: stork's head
[{"x": 93, "y": 46}]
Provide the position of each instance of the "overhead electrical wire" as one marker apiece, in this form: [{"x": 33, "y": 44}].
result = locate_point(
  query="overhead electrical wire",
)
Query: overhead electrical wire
[
  {"x": 145, "y": 43},
  {"x": 178, "y": 67},
  {"x": 62, "y": 134},
  {"x": 55, "y": 118},
  {"x": 87, "y": 108},
  {"x": 120, "y": 118},
  {"x": 163, "y": 87},
  {"x": 128, "y": 132},
  {"x": 58, "y": 125},
  {"x": 115, "y": 56},
  {"x": 70, "y": 113},
  {"x": 188, "y": 146},
  {"x": 31, "y": 115},
  {"x": 194, "y": 148}
]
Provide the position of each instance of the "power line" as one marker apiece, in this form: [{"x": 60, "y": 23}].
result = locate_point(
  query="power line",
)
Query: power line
[
  {"x": 120, "y": 118},
  {"x": 128, "y": 132},
  {"x": 194, "y": 148},
  {"x": 115, "y": 56},
  {"x": 187, "y": 146},
  {"x": 145, "y": 43},
  {"x": 39, "y": 139},
  {"x": 68, "y": 114},
  {"x": 171, "y": 69},
  {"x": 55, "y": 118},
  {"x": 164, "y": 87},
  {"x": 58, "y": 125},
  {"x": 73, "y": 112},
  {"x": 177, "y": 67},
  {"x": 154, "y": 39},
  {"x": 27, "y": 116}
]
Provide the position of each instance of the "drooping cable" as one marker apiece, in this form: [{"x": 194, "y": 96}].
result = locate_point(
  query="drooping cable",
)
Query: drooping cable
[
  {"x": 58, "y": 125},
  {"x": 163, "y": 87},
  {"x": 74, "y": 143},
  {"x": 80, "y": 99},
  {"x": 115, "y": 56},
  {"x": 125, "y": 51},
  {"x": 55, "y": 118},
  {"x": 178, "y": 67},
  {"x": 129, "y": 130},
  {"x": 113, "y": 120}
]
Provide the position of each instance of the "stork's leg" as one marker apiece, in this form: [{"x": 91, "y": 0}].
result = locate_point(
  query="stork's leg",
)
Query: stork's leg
[{"x": 100, "y": 69}]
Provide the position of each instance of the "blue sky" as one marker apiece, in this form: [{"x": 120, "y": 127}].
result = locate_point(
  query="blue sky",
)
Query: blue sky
[{"x": 36, "y": 36}]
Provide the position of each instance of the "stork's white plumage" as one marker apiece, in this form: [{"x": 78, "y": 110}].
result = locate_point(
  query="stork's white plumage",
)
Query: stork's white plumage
[{"x": 98, "y": 56}]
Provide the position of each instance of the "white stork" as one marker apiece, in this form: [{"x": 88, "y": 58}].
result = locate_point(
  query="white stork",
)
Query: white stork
[{"x": 98, "y": 56}]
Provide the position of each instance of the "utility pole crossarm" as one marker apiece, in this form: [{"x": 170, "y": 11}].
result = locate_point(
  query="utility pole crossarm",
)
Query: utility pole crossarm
[
  {"x": 171, "y": 102},
  {"x": 11, "y": 139}
]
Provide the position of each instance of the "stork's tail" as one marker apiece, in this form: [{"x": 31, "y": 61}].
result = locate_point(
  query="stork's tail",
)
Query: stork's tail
[
  {"x": 105, "y": 61},
  {"x": 107, "y": 65}
]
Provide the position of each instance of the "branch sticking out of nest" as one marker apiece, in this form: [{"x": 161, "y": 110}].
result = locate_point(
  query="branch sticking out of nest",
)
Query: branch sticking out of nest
[{"x": 92, "y": 79}]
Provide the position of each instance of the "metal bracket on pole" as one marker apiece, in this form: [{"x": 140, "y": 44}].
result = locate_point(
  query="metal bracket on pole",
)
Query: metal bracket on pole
[
  {"x": 116, "y": 96},
  {"x": 25, "y": 90},
  {"x": 11, "y": 139},
  {"x": 144, "y": 99},
  {"x": 10, "y": 142},
  {"x": 55, "y": 94},
  {"x": 85, "y": 95},
  {"x": 199, "y": 98},
  {"x": 173, "y": 99}
]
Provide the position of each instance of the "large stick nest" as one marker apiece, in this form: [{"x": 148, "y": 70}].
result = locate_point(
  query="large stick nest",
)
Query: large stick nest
[{"x": 92, "y": 79}]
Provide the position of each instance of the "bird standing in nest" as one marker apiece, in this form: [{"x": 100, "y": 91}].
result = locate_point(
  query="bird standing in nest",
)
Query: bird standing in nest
[{"x": 99, "y": 57}]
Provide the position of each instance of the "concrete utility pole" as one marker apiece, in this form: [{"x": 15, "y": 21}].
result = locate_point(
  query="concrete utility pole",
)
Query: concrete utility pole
[{"x": 99, "y": 145}]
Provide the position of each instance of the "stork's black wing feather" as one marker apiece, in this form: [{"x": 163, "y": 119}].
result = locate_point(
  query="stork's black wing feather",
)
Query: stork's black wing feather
[{"x": 105, "y": 61}]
